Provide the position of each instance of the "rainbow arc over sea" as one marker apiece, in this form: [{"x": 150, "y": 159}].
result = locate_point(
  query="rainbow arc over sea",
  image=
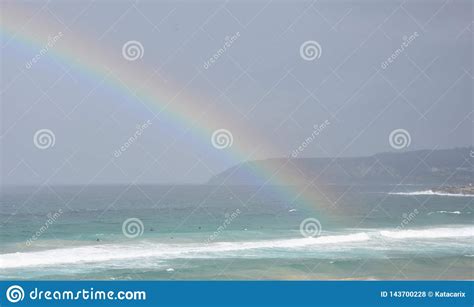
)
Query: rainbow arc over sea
[{"x": 173, "y": 101}]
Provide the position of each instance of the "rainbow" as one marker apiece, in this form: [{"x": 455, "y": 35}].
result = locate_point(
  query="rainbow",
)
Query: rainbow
[{"x": 131, "y": 78}]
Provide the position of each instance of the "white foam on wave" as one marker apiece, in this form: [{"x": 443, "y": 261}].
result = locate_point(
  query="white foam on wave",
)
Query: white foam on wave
[
  {"x": 145, "y": 249},
  {"x": 430, "y": 192},
  {"x": 449, "y": 212},
  {"x": 148, "y": 252},
  {"x": 429, "y": 233}
]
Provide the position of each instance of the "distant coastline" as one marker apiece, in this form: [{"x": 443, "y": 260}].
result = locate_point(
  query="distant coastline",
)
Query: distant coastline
[
  {"x": 443, "y": 167},
  {"x": 467, "y": 190}
]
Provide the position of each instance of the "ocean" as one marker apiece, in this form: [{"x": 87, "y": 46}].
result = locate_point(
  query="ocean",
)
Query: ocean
[{"x": 204, "y": 232}]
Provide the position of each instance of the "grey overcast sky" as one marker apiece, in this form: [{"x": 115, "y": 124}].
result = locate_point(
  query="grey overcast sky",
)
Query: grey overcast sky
[{"x": 262, "y": 80}]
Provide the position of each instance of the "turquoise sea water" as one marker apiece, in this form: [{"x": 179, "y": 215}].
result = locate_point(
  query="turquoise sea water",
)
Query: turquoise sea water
[{"x": 233, "y": 232}]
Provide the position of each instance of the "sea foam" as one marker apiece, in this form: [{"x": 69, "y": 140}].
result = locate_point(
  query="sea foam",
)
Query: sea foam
[
  {"x": 430, "y": 233},
  {"x": 144, "y": 249},
  {"x": 135, "y": 253},
  {"x": 430, "y": 192}
]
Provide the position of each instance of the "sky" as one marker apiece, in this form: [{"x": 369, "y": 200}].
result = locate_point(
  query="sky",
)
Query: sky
[{"x": 99, "y": 92}]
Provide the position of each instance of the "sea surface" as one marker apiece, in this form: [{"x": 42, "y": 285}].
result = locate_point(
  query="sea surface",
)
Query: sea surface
[{"x": 206, "y": 232}]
